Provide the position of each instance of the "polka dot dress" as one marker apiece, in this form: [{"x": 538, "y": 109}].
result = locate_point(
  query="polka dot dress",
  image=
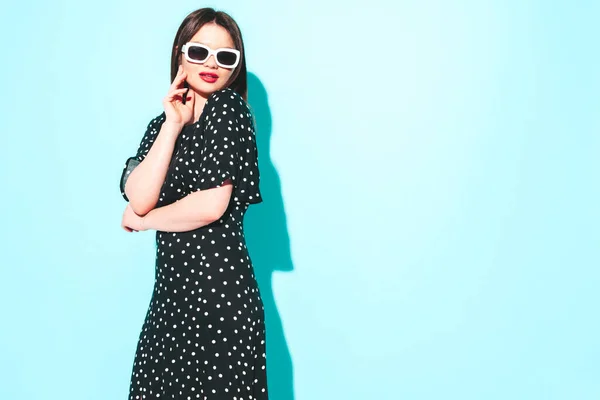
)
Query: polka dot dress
[{"x": 204, "y": 332}]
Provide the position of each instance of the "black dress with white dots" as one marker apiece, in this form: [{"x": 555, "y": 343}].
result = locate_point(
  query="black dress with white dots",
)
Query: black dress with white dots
[{"x": 204, "y": 332}]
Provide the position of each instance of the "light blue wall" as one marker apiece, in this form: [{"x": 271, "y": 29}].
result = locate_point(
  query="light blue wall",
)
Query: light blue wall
[{"x": 430, "y": 173}]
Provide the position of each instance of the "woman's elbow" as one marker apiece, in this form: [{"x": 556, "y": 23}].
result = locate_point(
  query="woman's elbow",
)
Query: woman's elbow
[
  {"x": 141, "y": 206},
  {"x": 141, "y": 203}
]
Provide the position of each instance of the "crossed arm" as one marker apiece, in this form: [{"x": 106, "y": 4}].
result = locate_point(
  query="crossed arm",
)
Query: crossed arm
[{"x": 143, "y": 185}]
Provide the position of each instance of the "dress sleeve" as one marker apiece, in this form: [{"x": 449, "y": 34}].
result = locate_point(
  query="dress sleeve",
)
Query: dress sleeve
[
  {"x": 229, "y": 149},
  {"x": 143, "y": 148}
]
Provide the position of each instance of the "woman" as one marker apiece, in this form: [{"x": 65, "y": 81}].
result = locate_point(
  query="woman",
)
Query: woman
[{"x": 193, "y": 177}]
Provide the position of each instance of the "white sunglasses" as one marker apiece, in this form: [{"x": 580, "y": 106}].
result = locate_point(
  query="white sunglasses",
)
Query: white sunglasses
[{"x": 199, "y": 53}]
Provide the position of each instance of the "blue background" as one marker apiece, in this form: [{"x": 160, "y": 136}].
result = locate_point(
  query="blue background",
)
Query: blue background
[{"x": 430, "y": 175}]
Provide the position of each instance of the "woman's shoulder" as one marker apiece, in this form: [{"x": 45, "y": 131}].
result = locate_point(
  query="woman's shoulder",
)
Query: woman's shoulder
[
  {"x": 225, "y": 93},
  {"x": 228, "y": 100}
]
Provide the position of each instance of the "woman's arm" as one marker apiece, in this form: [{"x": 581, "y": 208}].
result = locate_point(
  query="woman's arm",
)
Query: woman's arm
[
  {"x": 142, "y": 188},
  {"x": 228, "y": 168},
  {"x": 194, "y": 211},
  {"x": 145, "y": 181}
]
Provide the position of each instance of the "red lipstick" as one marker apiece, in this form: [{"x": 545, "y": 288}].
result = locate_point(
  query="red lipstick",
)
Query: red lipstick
[{"x": 209, "y": 77}]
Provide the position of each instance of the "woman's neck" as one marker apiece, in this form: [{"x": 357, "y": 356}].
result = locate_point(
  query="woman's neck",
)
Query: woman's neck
[{"x": 199, "y": 102}]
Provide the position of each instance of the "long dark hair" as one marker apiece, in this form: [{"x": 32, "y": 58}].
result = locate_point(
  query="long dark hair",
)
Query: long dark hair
[{"x": 188, "y": 28}]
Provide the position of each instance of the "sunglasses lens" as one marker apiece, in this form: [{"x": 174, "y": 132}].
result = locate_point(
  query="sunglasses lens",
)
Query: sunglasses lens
[
  {"x": 197, "y": 53},
  {"x": 226, "y": 57}
]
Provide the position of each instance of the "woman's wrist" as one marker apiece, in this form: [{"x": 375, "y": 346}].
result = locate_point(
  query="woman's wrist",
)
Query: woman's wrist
[
  {"x": 171, "y": 128},
  {"x": 143, "y": 223}
]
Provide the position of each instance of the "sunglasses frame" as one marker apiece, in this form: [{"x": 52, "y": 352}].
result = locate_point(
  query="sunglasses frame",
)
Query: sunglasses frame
[{"x": 185, "y": 48}]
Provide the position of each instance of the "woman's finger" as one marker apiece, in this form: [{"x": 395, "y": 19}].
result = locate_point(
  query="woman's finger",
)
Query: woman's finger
[
  {"x": 175, "y": 94},
  {"x": 176, "y": 91},
  {"x": 178, "y": 80},
  {"x": 190, "y": 100}
]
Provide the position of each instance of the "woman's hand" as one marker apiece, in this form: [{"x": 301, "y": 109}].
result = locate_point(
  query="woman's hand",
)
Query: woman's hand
[
  {"x": 132, "y": 222},
  {"x": 176, "y": 112}
]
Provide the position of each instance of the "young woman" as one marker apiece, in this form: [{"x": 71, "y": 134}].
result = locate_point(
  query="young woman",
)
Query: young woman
[{"x": 193, "y": 177}]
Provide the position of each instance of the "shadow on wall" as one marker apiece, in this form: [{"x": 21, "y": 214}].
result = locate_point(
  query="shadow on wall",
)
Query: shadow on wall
[{"x": 265, "y": 228}]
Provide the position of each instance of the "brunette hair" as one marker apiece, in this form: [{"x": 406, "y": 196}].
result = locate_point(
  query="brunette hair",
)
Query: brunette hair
[{"x": 188, "y": 28}]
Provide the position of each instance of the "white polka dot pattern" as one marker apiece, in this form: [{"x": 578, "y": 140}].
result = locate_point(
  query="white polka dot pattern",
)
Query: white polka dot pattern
[
  {"x": 204, "y": 333},
  {"x": 229, "y": 147}
]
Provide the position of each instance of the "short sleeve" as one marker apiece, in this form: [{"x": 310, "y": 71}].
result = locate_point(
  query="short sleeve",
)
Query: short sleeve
[
  {"x": 229, "y": 150},
  {"x": 143, "y": 148}
]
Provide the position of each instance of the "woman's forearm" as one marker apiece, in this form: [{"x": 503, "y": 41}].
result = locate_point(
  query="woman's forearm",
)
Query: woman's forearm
[
  {"x": 145, "y": 181},
  {"x": 194, "y": 211}
]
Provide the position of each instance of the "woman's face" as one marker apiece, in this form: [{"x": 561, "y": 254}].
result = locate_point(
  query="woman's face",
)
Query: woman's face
[{"x": 208, "y": 77}]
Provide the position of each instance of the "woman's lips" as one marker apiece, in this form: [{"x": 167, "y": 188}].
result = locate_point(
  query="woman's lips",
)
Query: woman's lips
[{"x": 209, "y": 77}]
